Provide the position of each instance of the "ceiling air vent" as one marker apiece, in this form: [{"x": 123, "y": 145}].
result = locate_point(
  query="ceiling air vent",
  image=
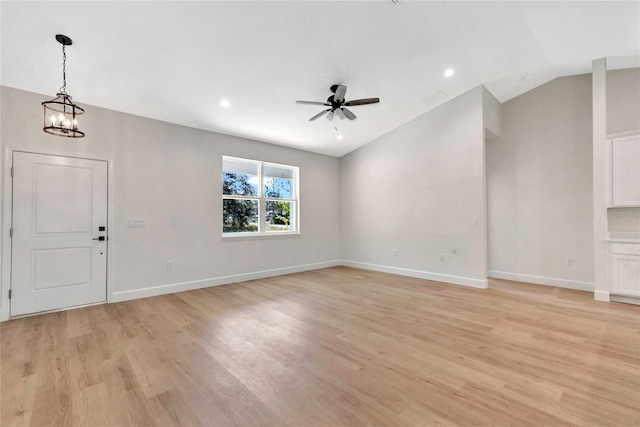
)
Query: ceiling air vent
[{"x": 435, "y": 97}]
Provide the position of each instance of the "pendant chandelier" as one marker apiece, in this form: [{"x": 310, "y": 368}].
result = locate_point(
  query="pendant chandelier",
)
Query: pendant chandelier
[{"x": 61, "y": 114}]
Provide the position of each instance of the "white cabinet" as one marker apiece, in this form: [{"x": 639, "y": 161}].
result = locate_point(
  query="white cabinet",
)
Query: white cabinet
[
  {"x": 625, "y": 171},
  {"x": 624, "y": 268}
]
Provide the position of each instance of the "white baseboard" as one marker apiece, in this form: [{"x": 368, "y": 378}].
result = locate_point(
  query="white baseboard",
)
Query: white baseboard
[
  {"x": 540, "y": 280},
  {"x": 152, "y": 291},
  {"x": 625, "y": 299},
  {"x": 446, "y": 278},
  {"x": 438, "y": 277}
]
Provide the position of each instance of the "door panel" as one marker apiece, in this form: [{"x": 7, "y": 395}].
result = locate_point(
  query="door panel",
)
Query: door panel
[
  {"x": 59, "y": 203},
  {"x": 58, "y": 190},
  {"x": 56, "y": 268},
  {"x": 626, "y": 275}
]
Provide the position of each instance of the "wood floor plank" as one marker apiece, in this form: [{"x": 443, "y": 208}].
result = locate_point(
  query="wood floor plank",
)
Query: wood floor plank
[
  {"x": 170, "y": 408},
  {"x": 331, "y": 347},
  {"x": 18, "y": 396}
]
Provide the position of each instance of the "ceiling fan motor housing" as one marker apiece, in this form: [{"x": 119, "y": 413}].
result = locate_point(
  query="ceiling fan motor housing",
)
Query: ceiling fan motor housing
[{"x": 334, "y": 105}]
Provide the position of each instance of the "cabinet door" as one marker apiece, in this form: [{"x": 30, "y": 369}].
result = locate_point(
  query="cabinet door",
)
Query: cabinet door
[
  {"x": 626, "y": 275},
  {"x": 626, "y": 171}
]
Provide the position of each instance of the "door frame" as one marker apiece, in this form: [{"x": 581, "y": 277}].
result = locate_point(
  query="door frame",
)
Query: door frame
[{"x": 7, "y": 208}]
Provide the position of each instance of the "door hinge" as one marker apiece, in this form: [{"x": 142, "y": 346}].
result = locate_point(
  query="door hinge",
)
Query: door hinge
[
  {"x": 11, "y": 171},
  {"x": 11, "y": 233},
  {"x": 9, "y": 293}
]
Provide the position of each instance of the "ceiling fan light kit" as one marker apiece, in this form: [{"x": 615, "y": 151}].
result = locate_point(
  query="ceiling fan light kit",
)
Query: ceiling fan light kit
[
  {"x": 60, "y": 113},
  {"x": 337, "y": 104}
]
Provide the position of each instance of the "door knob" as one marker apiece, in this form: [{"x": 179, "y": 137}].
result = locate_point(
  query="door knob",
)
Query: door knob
[{"x": 101, "y": 238}]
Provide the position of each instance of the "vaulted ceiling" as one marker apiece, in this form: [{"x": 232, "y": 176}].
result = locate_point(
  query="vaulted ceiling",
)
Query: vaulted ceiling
[{"x": 175, "y": 61}]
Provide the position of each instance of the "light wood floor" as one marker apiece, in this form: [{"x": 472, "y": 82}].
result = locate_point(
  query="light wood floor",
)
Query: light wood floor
[{"x": 334, "y": 347}]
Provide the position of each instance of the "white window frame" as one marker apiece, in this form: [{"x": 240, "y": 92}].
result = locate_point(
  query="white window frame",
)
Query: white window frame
[{"x": 262, "y": 202}]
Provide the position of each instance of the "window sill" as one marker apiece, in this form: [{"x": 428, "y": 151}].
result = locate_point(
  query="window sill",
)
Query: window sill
[{"x": 247, "y": 236}]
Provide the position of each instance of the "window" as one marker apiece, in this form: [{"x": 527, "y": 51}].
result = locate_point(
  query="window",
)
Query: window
[{"x": 258, "y": 198}]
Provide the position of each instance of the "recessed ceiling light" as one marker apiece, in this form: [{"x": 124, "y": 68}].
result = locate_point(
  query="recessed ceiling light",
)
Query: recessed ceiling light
[
  {"x": 225, "y": 104},
  {"x": 449, "y": 72},
  {"x": 340, "y": 136}
]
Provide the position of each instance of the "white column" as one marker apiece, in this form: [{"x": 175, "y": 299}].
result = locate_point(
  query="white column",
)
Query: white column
[{"x": 599, "y": 84}]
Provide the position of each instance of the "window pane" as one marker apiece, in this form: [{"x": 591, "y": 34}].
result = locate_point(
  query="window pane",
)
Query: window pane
[
  {"x": 278, "y": 171},
  {"x": 278, "y": 181},
  {"x": 239, "y": 216},
  {"x": 279, "y": 215},
  {"x": 239, "y": 184},
  {"x": 230, "y": 164},
  {"x": 277, "y": 188}
]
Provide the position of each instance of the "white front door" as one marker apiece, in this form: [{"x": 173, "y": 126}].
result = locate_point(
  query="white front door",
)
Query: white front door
[{"x": 59, "y": 213}]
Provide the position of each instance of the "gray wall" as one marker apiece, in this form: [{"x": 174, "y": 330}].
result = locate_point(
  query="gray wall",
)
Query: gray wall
[
  {"x": 417, "y": 190},
  {"x": 539, "y": 186},
  {"x": 398, "y": 204},
  {"x": 171, "y": 175}
]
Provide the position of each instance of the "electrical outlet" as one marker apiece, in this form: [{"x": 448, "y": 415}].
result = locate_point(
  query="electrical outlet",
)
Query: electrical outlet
[
  {"x": 395, "y": 252},
  {"x": 476, "y": 220},
  {"x": 169, "y": 265},
  {"x": 441, "y": 257},
  {"x": 571, "y": 262}
]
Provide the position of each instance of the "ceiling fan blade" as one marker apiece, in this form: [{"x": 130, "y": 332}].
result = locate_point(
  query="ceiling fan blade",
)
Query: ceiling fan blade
[
  {"x": 320, "y": 114},
  {"x": 313, "y": 103},
  {"x": 339, "y": 95},
  {"x": 330, "y": 115},
  {"x": 348, "y": 114},
  {"x": 362, "y": 101}
]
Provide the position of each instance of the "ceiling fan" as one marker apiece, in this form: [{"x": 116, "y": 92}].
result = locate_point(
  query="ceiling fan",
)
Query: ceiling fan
[{"x": 336, "y": 102}]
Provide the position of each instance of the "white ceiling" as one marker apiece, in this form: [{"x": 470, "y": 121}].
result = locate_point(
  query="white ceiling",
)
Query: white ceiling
[{"x": 175, "y": 61}]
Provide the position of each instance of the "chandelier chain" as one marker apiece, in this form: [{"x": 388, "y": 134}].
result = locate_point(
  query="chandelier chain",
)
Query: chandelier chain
[{"x": 63, "y": 89}]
